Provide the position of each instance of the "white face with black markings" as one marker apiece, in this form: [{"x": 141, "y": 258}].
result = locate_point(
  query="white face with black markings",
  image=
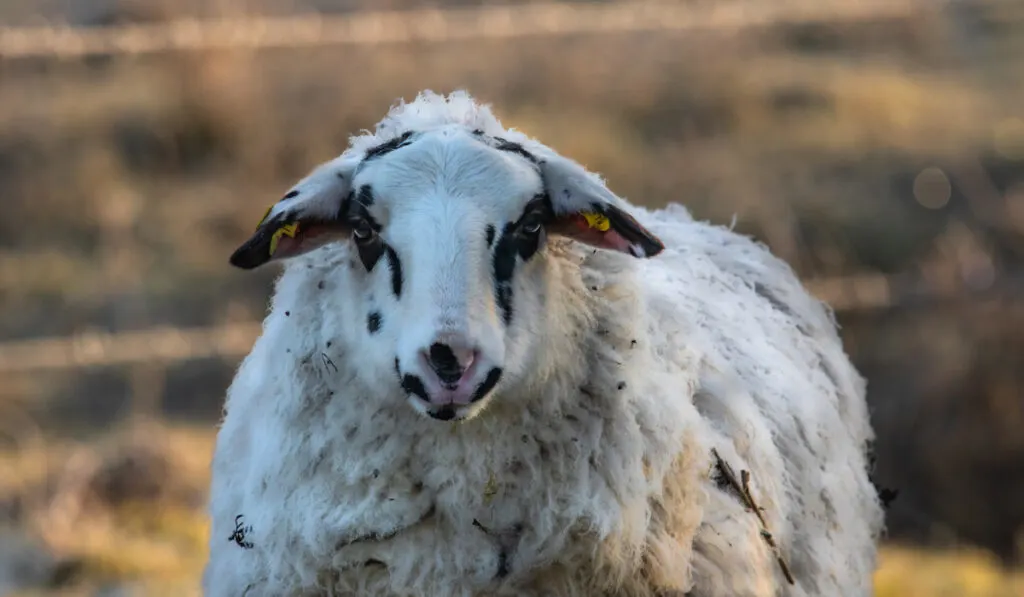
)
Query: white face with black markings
[{"x": 448, "y": 230}]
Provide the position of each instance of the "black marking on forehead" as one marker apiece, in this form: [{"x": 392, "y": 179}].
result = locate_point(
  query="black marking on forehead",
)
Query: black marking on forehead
[
  {"x": 365, "y": 196},
  {"x": 388, "y": 146},
  {"x": 373, "y": 322},
  {"x": 490, "y": 234},
  {"x": 502, "y": 144},
  {"x": 289, "y": 195},
  {"x": 396, "y": 270},
  {"x": 516, "y": 148}
]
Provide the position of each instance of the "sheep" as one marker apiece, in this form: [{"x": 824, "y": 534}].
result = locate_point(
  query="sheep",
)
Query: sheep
[{"x": 483, "y": 373}]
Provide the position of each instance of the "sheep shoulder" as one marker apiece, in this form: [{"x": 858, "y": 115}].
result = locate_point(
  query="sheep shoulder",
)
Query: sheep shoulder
[{"x": 777, "y": 397}]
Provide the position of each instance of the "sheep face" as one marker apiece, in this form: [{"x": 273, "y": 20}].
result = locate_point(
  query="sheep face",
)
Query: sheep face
[{"x": 448, "y": 228}]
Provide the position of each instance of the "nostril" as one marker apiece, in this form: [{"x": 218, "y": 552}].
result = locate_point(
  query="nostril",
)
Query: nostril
[{"x": 444, "y": 362}]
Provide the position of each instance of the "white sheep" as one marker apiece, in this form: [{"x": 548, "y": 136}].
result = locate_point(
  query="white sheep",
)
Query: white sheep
[{"x": 485, "y": 374}]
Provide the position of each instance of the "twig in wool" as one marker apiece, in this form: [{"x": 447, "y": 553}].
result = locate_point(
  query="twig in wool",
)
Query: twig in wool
[
  {"x": 240, "y": 532},
  {"x": 742, "y": 488},
  {"x": 328, "y": 362}
]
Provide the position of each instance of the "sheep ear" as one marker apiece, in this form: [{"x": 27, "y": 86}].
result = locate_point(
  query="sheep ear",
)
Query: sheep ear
[
  {"x": 309, "y": 216},
  {"x": 587, "y": 211}
]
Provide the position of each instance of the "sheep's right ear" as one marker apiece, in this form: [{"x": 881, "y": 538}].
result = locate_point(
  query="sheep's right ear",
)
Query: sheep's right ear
[{"x": 310, "y": 215}]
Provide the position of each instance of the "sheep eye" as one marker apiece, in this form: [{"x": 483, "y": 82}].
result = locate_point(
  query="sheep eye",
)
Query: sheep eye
[
  {"x": 532, "y": 226},
  {"x": 362, "y": 231}
]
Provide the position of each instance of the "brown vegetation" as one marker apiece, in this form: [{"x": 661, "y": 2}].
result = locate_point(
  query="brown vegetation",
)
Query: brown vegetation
[{"x": 893, "y": 145}]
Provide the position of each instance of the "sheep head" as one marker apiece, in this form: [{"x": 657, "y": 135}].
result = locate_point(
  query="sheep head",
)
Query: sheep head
[{"x": 448, "y": 227}]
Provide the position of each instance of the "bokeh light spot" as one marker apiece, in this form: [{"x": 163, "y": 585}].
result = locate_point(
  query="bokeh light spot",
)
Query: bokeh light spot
[
  {"x": 932, "y": 188},
  {"x": 1008, "y": 138}
]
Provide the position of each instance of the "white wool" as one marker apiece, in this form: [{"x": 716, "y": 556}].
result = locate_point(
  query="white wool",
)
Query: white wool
[{"x": 590, "y": 471}]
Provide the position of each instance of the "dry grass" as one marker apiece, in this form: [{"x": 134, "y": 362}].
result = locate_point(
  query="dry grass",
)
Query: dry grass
[
  {"x": 158, "y": 547},
  {"x": 906, "y": 572},
  {"x": 814, "y": 145}
]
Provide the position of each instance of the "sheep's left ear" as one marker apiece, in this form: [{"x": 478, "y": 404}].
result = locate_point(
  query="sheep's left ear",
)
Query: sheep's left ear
[
  {"x": 310, "y": 215},
  {"x": 587, "y": 211}
]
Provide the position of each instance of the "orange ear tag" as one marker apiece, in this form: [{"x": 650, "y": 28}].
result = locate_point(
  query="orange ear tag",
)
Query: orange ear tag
[{"x": 596, "y": 221}]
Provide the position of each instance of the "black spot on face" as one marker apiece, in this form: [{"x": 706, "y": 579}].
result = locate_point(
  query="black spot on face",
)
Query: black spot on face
[
  {"x": 414, "y": 385},
  {"x": 365, "y": 196},
  {"x": 290, "y": 194},
  {"x": 493, "y": 376},
  {"x": 504, "y": 266},
  {"x": 490, "y": 235},
  {"x": 388, "y": 146},
  {"x": 373, "y": 322},
  {"x": 519, "y": 240},
  {"x": 396, "y": 271}
]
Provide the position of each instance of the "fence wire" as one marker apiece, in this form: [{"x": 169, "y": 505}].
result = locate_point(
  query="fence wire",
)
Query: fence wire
[{"x": 435, "y": 25}]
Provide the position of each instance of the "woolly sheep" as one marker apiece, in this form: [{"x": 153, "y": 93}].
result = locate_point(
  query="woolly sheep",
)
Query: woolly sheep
[{"x": 484, "y": 373}]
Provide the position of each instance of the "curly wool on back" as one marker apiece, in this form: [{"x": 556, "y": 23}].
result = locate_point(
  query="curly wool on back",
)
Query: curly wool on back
[{"x": 590, "y": 472}]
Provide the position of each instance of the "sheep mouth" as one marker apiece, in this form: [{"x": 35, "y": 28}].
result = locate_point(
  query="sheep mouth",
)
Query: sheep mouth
[
  {"x": 451, "y": 413},
  {"x": 448, "y": 405},
  {"x": 444, "y": 413}
]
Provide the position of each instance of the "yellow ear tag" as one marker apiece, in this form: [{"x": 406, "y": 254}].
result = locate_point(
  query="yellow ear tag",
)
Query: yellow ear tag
[
  {"x": 289, "y": 230},
  {"x": 264, "y": 218},
  {"x": 597, "y": 221}
]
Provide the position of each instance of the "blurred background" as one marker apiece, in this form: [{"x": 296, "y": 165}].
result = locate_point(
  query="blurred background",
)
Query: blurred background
[{"x": 876, "y": 145}]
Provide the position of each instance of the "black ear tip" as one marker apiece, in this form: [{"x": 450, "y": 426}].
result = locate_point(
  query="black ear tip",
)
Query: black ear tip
[
  {"x": 655, "y": 251},
  {"x": 246, "y": 258},
  {"x": 654, "y": 247}
]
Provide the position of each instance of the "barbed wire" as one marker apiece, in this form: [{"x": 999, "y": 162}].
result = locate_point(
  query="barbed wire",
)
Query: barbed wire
[{"x": 436, "y": 25}]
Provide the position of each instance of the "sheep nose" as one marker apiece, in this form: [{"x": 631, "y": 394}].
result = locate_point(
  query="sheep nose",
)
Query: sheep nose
[{"x": 448, "y": 362}]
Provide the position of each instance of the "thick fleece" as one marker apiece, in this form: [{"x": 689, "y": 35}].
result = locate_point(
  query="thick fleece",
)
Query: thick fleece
[{"x": 590, "y": 472}]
